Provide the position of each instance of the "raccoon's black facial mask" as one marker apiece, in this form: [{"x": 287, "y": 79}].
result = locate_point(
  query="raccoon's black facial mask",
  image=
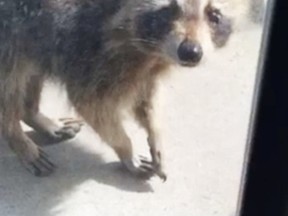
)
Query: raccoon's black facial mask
[
  {"x": 154, "y": 25},
  {"x": 220, "y": 25}
]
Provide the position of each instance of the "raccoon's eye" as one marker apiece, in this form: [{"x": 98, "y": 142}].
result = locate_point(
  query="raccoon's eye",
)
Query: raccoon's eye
[
  {"x": 220, "y": 25},
  {"x": 213, "y": 15}
]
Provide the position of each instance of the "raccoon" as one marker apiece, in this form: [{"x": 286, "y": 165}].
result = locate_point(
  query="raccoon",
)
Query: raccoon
[{"x": 109, "y": 54}]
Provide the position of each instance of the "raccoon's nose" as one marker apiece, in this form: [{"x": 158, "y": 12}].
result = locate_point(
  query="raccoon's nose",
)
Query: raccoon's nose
[{"x": 190, "y": 52}]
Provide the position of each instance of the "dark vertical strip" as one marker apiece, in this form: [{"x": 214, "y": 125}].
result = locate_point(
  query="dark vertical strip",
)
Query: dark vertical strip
[{"x": 265, "y": 186}]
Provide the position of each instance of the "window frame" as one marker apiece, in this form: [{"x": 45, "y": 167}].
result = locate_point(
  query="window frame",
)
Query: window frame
[{"x": 264, "y": 189}]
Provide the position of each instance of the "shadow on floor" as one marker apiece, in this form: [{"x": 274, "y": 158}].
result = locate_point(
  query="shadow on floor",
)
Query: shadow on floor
[{"x": 23, "y": 194}]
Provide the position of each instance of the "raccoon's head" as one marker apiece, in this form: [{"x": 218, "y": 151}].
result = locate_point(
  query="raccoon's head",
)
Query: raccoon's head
[{"x": 171, "y": 28}]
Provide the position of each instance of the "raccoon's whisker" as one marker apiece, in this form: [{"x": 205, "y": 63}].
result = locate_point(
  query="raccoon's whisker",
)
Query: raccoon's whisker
[
  {"x": 143, "y": 40},
  {"x": 146, "y": 42}
]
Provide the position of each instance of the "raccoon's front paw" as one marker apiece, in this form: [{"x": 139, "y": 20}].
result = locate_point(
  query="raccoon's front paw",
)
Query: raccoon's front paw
[
  {"x": 140, "y": 167},
  {"x": 70, "y": 127},
  {"x": 144, "y": 168}
]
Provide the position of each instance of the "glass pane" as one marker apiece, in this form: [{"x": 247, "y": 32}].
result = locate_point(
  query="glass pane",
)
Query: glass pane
[{"x": 122, "y": 96}]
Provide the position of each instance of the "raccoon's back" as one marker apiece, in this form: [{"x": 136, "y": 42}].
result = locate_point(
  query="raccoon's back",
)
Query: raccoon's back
[
  {"x": 45, "y": 30},
  {"x": 26, "y": 32}
]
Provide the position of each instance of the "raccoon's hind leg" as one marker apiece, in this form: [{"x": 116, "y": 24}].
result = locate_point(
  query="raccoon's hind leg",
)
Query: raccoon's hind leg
[
  {"x": 11, "y": 101},
  {"x": 39, "y": 121}
]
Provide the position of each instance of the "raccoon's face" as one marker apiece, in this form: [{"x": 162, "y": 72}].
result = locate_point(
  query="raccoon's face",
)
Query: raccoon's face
[{"x": 172, "y": 29}]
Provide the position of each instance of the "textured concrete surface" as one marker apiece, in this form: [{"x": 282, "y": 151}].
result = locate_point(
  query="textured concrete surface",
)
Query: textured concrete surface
[{"x": 205, "y": 124}]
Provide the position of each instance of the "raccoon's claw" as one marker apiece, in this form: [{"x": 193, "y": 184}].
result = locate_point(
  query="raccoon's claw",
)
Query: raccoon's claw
[
  {"x": 162, "y": 176},
  {"x": 41, "y": 166},
  {"x": 160, "y": 173},
  {"x": 157, "y": 164}
]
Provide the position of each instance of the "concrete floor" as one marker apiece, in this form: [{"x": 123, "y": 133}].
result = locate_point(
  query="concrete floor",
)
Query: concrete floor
[{"x": 205, "y": 125}]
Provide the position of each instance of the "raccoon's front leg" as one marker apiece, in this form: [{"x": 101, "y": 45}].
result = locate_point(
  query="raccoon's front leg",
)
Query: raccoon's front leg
[
  {"x": 144, "y": 113},
  {"x": 109, "y": 127}
]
